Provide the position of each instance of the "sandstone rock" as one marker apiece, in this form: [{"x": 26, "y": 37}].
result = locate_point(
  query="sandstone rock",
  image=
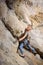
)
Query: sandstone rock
[
  {"x": 3, "y": 10},
  {"x": 6, "y": 39},
  {"x": 13, "y": 24},
  {"x": 22, "y": 12},
  {"x": 7, "y": 53},
  {"x": 37, "y": 40}
]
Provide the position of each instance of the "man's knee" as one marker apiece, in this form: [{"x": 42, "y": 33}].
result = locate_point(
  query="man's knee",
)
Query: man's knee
[{"x": 21, "y": 46}]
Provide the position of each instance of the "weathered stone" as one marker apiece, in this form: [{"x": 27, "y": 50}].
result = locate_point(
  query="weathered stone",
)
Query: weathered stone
[
  {"x": 3, "y": 10},
  {"x": 14, "y": 25},
  {"x": 13, "y": 22}
]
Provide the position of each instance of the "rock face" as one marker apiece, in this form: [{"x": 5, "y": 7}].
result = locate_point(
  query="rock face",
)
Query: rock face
[
  {"x": 7, "y": 48},
  {"x": 15, "y": 15},
  {"x": 11, "y": 21}
]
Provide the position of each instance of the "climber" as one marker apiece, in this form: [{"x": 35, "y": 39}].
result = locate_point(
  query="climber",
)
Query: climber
[{"x": 24, "y": 42}]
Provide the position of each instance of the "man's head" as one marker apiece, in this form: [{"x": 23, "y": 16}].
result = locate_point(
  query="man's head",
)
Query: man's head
[{"x": 29, "y": 27}]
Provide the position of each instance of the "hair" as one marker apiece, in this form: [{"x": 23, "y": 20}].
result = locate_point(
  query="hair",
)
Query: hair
[{"x": 28, "y": 26}]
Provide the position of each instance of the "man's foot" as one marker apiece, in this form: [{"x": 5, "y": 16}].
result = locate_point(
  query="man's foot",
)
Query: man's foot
[
  {"x": 35, "y": 53},
  {"x": 20, "y": 54}
]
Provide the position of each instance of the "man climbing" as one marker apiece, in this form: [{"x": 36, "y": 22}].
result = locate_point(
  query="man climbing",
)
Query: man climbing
[{"x": 24, "y": 41}]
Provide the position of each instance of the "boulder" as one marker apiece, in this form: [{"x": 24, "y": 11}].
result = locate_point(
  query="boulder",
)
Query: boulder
[
  {"x": 13, "y": 24},
  {"x": 37, "y": 40},
  {"x": 8, "y": 55}
]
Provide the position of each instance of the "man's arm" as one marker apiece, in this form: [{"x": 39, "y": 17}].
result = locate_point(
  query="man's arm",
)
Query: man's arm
[
  {"x": 16, "y": 37},
  {"x": 22, "y": 37}
]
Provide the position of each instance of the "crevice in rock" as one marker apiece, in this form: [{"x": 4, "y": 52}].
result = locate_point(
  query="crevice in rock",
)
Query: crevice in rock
[
  {"x": 39, "y": 52},
  {"x": 9, "y": 28},
  {"x": 9, "y": 3}
]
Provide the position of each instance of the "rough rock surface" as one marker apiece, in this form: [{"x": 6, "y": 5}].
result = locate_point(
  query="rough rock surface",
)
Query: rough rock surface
[{"x": 15, "y": 15}]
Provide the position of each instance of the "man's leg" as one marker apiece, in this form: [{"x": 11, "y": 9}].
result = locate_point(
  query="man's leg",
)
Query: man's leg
[
  {"x": 31, "y": 48},
  {"x": 26, "y": 44},
  {"x": 20, "y": 50}
]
